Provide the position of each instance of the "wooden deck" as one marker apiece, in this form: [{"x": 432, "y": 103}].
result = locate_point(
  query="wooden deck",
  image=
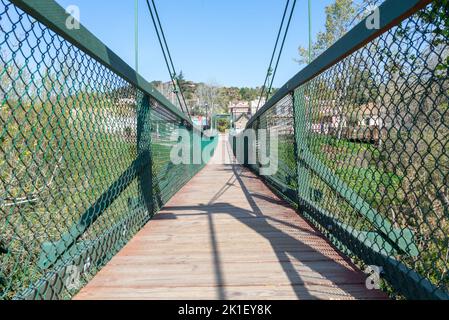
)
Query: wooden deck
[{"x": 225, "y": 235}]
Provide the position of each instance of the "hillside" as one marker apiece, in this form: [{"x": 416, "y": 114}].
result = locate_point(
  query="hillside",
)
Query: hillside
[{"x": 216, "y": 97}]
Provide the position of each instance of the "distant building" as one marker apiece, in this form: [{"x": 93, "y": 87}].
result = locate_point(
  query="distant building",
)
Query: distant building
[
  {"x": 127, "y": 101},
  {"x": 254, "y": 105},
  {"x": 239, "y": 108},
  {"x": 369, "y": 116},
  {"x": 236, "y": 109},
  {"x": 241, "y": 122},
  {"x": 362, "y": 123}
]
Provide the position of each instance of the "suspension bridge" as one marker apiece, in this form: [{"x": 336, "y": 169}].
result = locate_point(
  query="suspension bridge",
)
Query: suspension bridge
[
  {"x": 93, "y": 207},
  {"x": 225, "y": 235}
]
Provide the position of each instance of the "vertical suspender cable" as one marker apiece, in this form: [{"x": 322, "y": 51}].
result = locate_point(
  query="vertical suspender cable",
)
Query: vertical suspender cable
[
  {"x": 136, "y": 34},
  {"x": 273, "y": 54},
  {"x": 163, "y": 51},
  {"x": 272, "y": 71},
  {"x": 169, "y": 55},
  {"x": 310, "y": 31},
  {"x": 282, "y": 47},
  {"x": 166, "y": 53}
]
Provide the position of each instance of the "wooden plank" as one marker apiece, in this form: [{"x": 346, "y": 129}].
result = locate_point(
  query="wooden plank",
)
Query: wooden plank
[
  {"x": 269, "y": 292},
  {"x": 233, "y": 257},
  {"x": 225, "y": 235}
]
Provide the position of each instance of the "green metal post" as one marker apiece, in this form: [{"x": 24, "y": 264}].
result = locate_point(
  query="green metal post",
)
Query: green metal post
[
  {"x": 144, "y": 153},
  {"x": 299, "y": 111}
]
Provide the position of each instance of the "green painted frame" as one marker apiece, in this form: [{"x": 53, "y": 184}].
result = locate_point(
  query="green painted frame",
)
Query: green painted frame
[
  {"x": 362, "y": 243},
  {"x": 69, "y": 251},
  {"x": 53, "y": 16},
  {"x": 392, "y": 12}
]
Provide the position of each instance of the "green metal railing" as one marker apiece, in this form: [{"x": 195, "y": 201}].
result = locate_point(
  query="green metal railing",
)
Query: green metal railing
[
  {"x": 364, "y": 149},
  {"x": 84, "y": 154}
]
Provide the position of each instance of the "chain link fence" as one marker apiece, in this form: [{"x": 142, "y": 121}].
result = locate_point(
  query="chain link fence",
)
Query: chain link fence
[
  {"x": 364, "y": 149},
  {"x": 84, "y": 160}
]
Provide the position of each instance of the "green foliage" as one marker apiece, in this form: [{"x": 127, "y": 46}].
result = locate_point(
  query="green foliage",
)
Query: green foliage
[
  {"x": 338, "y": 16},
  {"x": 65, "y": 140},
  {"x": 402, "y": 174},
  {"x": 248, "y": 94},
  {"x": 187, "y": 87},
  {"x": 223, "y": 125},
  {"x": 215, "y": 96},
  {"x": 438, "y": 16}
]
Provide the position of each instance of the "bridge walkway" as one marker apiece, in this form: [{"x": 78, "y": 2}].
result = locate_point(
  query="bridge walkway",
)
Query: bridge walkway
[{"x": 225, "y": 235}]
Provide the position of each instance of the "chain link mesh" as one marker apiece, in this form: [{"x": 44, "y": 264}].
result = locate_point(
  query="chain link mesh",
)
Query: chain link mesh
[
  {"x": 372, "y": 152},
  {"x": 84, "y": 161},
  {"x": 279, "y": 118}
]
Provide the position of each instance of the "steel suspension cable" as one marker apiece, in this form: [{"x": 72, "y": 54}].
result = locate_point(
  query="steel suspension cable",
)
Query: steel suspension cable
[
  {"x": 282, "y": 48},
  {"x": 270, "y": 69},
  {"x": 273, "y": 54},
  {"x": 163, "y": 50},
  {"x": 167, "y": 56}
]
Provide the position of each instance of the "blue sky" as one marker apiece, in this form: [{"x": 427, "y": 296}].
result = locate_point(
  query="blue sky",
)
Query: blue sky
[{"x": 228, "y": 42}]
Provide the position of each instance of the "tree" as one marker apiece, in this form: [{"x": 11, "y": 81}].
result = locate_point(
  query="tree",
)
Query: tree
[
  {"x": 187, "y": 87},
  {"x": 339, "y": 19},
  {"x": 223, "y": 125},
  {"x": 208, "y": 94}
]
